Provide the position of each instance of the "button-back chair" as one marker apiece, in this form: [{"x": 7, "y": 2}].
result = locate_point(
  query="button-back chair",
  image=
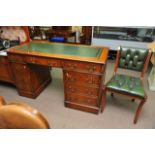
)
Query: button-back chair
[{"x": 136, "y": 59}]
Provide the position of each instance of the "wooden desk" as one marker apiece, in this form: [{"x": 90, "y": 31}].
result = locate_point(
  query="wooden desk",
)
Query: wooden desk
[{"x": 83, "y": 71}]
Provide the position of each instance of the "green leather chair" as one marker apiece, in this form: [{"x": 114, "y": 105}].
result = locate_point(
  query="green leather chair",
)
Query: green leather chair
[{"x": 132, "y": 59}]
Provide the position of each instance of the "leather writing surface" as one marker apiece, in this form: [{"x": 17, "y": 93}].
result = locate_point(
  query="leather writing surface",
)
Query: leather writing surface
[{"x": 62, "y": 49}]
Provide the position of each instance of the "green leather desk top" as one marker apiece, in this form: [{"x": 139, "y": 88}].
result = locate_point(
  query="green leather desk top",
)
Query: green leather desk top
[{"x": 55, "y": 48}]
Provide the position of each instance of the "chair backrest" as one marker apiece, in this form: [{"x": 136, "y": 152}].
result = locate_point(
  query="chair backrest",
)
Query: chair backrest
[
  {"x": 132, "y": 58},
  {"x": 21, "y": 116}
]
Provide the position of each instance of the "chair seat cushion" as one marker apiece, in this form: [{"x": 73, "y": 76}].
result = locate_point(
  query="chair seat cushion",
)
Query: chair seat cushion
[{"x": 126, "y": 84}]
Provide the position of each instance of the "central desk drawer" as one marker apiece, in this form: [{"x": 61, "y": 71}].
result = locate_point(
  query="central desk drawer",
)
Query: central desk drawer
[
  {"x": 43, "y": 61},
  {"x": 83, "y": 66},
  {"x": 82, "y": 78},
  {"x": 81, "y": 99},
  {"x": 80, "y": 89}
]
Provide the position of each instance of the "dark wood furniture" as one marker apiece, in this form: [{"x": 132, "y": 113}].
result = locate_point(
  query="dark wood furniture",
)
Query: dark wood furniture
[
  {"x": 83, "y": 71},
  {"x": 135, "y": 59}
]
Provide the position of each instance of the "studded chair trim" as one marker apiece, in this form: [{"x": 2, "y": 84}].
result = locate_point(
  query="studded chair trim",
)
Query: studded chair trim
[{"x": 132, "y": 58}]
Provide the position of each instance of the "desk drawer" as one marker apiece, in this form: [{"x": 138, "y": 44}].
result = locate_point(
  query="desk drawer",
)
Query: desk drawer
[
  {"x": 82, "y": 78},
  {"x": 83, "y": 66},
  {"x": 83, "y": 100},
  {"x": 16, "y": 58},
  {"x": 43, "y": 61},
  {"x": 81, "y": 89}
]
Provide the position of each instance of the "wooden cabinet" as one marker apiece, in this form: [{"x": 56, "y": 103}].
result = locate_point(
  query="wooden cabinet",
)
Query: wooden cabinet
[
  {"x": 29, "y": 79},
  {"x": 83, "y": 89},
  {"x": 5, "y": 71}
]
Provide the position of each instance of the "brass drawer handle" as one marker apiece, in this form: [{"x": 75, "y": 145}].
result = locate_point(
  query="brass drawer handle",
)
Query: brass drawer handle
[
  {"x": 91, "y": 69},
  {"x": 52, "y": 64},
  {"x": 72, "y": 66},
  {"x": 32, "y": 60},
  {"x": 69, "y": 77},
  {"x": 71, "y": 89}
]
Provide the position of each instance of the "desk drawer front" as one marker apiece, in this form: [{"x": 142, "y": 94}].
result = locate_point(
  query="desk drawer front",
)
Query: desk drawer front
[
  {"x": 43, "y": 61},
  {"x": 79, "y": 78},
  {"x": 78, "y": 89},
  {"x": 81, "y": 99},
  {"x": 16, "y": 58},
  {"x": 83, "y": 66}
]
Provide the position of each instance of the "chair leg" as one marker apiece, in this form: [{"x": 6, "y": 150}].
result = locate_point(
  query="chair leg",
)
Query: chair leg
[
  {"x": 103, "y": 101},
  {"x": 138, "y": 111}
]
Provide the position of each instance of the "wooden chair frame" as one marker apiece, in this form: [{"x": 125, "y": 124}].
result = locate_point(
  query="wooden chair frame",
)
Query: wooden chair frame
[{"x": 142, "y": 100}]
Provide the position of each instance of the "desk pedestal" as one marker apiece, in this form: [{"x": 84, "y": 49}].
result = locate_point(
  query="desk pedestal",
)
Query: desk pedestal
[{"x": 30, "y": 80}]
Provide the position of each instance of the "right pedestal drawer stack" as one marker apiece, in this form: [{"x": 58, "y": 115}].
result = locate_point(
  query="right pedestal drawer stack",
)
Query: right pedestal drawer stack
[{"x": 83, "y": 84}]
